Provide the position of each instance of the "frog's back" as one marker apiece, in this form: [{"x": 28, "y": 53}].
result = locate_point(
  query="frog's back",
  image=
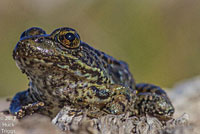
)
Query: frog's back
[
  {"x": 121, "y": 74},
  {"x": 117, "y": 71}
]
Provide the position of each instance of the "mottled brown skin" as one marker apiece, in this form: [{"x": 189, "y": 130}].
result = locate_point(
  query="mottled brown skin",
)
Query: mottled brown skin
[{"x": 63, "y": 70}]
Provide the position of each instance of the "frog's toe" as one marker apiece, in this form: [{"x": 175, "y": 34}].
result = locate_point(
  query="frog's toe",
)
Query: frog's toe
[
  {"x": 28, "y": 109},
  {"x": 20, "y": 114}
]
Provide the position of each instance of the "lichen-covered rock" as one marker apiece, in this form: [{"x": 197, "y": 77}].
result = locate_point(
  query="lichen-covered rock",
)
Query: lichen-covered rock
[{"x": 121, "y": 124}]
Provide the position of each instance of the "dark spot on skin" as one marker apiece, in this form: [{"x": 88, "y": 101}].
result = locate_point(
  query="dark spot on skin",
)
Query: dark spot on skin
[
  {"x": 100, "y": 93},
  {"x": 116, "y": 62},
  {"x": 49, "y": 112},
  {"x": 117, "y": 74},
  {"x": 105, "y": 58},
  {"x": 62, "y": 37},
  {"x": 123, "y": 106},
  {"x": 159, "y": 92},
  {"x": 99, "y": 82},
  {"x": 75, "y": 67},
  {"x": 24, "y": 59},
  {"x": 84, "y": 97},
  {"x": 61, "y": 103},
  {"x": 89, "y": 95},
  {"x": 47, "y": 60},
  {"x": 97, "y": 52}
]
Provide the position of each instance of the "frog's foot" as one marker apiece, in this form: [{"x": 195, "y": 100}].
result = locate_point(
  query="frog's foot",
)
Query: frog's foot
[
  {"x": 121, "y": 103},
  {"x": 154, "y": 101},
  {"x": 21, "y": 105},
  {"x": 28, "y": 109},
  {"x": 117, "y": 106}
]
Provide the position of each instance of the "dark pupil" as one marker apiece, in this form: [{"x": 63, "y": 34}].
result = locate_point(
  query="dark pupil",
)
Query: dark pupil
[{"x": 70, "y": 36}]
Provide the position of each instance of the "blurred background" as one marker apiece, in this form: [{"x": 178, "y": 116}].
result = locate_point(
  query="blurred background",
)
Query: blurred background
[{"x": 160, "y": 40}]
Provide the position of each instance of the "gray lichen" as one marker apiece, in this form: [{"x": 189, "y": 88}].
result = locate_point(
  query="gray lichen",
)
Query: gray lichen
[{"x": 121, "y": 124}]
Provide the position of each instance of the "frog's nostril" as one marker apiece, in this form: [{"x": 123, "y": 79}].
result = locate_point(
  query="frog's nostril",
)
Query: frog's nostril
[{"x": 39, "y": 40}]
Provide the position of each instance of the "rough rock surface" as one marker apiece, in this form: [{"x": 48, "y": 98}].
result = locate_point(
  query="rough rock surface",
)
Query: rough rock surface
[
  {"x": 122, "y": 124},
  {"x": 185, "y": 97}
]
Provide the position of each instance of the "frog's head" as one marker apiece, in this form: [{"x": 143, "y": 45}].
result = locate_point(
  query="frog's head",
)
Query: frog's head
[{"x": 61, "y": 52}]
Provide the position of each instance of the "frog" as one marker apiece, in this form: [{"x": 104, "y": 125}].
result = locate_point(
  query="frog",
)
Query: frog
[{"x": 65, "y": 71}]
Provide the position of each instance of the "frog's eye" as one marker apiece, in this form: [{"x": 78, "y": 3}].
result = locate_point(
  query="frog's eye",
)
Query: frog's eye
[
  {"x": 69, "y": 39},
  {"x": 32, "y": 32}
]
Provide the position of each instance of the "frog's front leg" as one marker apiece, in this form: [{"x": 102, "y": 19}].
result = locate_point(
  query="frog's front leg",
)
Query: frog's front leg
[
  {"x": 22, "y": 105},
  {"x": 154, "y": 101}
]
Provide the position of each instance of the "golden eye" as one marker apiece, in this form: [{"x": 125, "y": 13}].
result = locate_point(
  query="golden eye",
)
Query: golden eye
[{"x": 69, "y": 39}]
